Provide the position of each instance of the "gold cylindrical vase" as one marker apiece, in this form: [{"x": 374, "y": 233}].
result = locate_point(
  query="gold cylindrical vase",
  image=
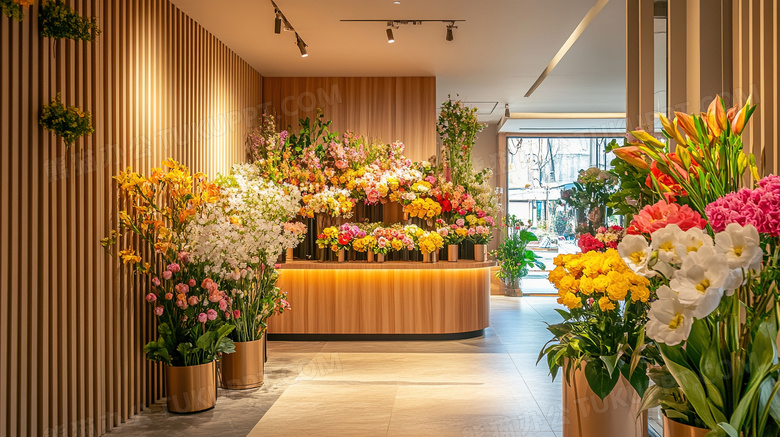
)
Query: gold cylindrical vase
[
  {"x": 243, "y": 368},
  {"x": 191, "y": 388},
  {"x": 452, "y": 253},
  {"x": 288, "y": 256},
  {"x": 677, "y": 429},
  {"x": 586, "y": 415},
  {"x": 480, "y": 252},
  {"x": 342, "y": 255},
  {"x": 380, "y": 257},
  {"x": 370, "y": 256}
]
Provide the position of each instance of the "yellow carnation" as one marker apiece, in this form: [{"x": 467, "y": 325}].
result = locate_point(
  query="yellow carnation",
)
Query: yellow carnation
[
  {"x": 605, "y": 304},
  {"x": 570, "y": 300}
]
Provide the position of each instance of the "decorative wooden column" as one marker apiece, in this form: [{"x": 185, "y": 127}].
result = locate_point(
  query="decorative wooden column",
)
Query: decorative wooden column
[{"x": 639, "y": 64}]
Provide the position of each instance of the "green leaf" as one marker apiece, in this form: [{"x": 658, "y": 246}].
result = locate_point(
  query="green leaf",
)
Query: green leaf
[
  {"x": 599, "y": 379},
  {"x": 765, "y": 391},
  {"x": 690, "y": 384},
  {"x": 699, "y": 339},
  {"x": 662, "y": 377},
  {"x": 762, "y": 354},
  {"x": 610, "y": 362},
  {"x": 728, "y": 429},
  {"x": 206, "y": 341},
  {"x": 638, "y": 379}
]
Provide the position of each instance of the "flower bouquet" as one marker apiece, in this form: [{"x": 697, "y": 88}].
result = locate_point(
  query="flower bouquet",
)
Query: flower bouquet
[
  {"x": 184, "y": 294},
  {"x": 605, "y": 238}
]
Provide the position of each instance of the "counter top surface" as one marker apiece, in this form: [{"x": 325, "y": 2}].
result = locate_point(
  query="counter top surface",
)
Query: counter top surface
[{"x": 388, "y": 265}]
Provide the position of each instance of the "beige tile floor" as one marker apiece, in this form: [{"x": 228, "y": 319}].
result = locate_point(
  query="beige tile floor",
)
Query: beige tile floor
[{"x": 485, "y": 386}]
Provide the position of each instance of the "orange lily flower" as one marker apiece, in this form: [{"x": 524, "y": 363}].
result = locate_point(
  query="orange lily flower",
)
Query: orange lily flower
[
  {"x": 632, "y": 155},
  {"x": 738, "y": 123},
  {"x": 716, "y": 116},
  {"x": 688, "y": 125},
  {"x": 647, "y": 139},
  {"x": 671, "y": 129}
]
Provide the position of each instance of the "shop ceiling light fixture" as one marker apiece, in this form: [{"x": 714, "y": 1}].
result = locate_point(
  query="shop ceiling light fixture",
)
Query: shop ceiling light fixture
[
  {"x": 280, "y": 19},
  {"x": 396, "y": 24}
]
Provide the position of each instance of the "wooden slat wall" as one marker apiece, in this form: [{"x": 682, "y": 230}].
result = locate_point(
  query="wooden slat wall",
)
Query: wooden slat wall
[
  {"x": 385, "y": 108},
  {"x": 756, "y": 48},
  {"x": 72, "y": 324}
]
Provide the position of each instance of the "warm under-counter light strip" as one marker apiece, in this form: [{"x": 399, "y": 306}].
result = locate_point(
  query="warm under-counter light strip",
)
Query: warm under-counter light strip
[{"x": 569, "y": 42}]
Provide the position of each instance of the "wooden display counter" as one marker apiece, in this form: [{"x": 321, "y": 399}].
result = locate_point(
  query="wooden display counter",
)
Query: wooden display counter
[{"x": 384, "y": 299}]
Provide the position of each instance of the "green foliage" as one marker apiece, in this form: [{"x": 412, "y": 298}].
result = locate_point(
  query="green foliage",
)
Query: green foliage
[
  {"x": 590, "y": 196},
  {"x": 310, "y": 134},
  {"x": 69, "y": 122},
  {"x": 458, "y": 128},
  {"x": 176, "y": 348},
  {"x": 513, "y": 256},
  {"x": 58, "y": 20},
  {"x": 12, "y": 10},
  {"x": 632, "y": 193}
]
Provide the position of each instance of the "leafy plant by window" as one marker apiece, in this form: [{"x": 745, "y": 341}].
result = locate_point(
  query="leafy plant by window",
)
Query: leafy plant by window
[
  {"x": 513, "y": 256},
  {"x": 58, "y": 20},
  {"x": 14, "y": 8},
  {"x": 69, "y": 122}
]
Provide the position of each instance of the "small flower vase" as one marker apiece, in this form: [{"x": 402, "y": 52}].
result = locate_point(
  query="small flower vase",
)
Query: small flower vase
[
  {"x": 406, "y": 216},
  {"x": 514, "y": 287},
  {"x": 480, "y": 252},
  {"x": 677, "y": 429},
  {"x": 342, "y": 255},
  {"x": 452, "y": 253},
  {"x": 380, "y": 257},
  {"x": 370, "y": 256},
  {"x": 288, "y": 257},
  {"x": 427, "y": 257}
]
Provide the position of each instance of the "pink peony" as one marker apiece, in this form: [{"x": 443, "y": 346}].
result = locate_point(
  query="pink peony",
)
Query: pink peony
[
  {"x": 167, "y": 274},
  {"x": 158, "y": 311},
  {"x": 151, "y": 297},
  {"x": 202, "y": 317},
  {"x": 759, "y": 207},
  {"x": 223, "y": 305},
  {"x": 192, "y": 283},
  {"x": 168, "y": 296},
  {"x": 173, "y": 267},
  {"x": 211, "y": 314},
  {"x": 156, "y": 281},
  {"x": 654, "y": 217}
]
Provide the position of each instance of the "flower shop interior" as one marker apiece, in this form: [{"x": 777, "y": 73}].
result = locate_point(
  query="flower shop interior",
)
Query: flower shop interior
[{"x": 389, "y": 218}]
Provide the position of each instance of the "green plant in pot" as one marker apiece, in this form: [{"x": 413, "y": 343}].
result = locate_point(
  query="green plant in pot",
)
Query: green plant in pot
[
  {"x": 513, "y": 256},
  {"x": 185, "y": 295}
]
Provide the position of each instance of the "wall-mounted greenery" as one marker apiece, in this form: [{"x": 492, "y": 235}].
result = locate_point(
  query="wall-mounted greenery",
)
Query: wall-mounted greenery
[
  {"x": 58, "y": 20},
  {"x": 69, "y": 122},
  {"x": 14, "y": 8}
]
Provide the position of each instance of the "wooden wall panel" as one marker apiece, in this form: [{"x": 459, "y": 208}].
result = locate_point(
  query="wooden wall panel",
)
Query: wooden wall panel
[
  {"x": 384, "y": 108},
  {"x": 756, "y": 49},
  {"x": 72, "y": 321}
]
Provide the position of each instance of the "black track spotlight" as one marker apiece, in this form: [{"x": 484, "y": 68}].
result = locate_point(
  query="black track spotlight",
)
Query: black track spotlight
[
  {"x": 390, "y": 38},
  {"x": 301, "y": 46},
  {"x": 449, "y": 31},
  {"x": 278, "y": 24}
]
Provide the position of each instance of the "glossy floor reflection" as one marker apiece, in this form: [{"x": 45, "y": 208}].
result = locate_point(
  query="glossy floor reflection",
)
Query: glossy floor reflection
[{"x": 486, "y": 386}]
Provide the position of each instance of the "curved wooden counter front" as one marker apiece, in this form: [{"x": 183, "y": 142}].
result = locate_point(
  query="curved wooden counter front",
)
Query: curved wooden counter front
[{"x": 405, "y": 298}]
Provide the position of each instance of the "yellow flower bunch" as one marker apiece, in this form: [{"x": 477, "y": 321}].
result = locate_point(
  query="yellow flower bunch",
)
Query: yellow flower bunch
[
  {"x": 423, "y": 208},
  {"x": 421, "y": 187},
  {"x": 430, "y": 242},
  {"x": 602, "y": 276},
  {"x": 364, "y": 244}
]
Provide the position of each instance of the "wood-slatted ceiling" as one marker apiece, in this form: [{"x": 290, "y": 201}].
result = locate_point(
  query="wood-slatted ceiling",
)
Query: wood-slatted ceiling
[{"x": 72, "y": 324}]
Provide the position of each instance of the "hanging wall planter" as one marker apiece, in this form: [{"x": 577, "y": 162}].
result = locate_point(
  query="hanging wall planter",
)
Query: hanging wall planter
[
  {"x": 58, "y": 20},
  {"x": 69, "y": 122},
  {"x": 14, "y": 8}
]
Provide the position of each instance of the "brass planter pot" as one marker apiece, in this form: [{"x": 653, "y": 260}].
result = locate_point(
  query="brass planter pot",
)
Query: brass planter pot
[
  {"x": 342, "y": 255},
  {"x": 370, "y": 256},
  {"x": 288, "y": 256},
  {"x": 452, "y": 253},
  {"x": 677, "y": 429},
  {"x": 430, "y": 258},
  {"x": 480, "y": 252},
  {"x": 586, "y": 415},
  {"x": 191, "y": 388},
  {"x": 380, "y": 257},
  {"x": 243, "y": 368}
]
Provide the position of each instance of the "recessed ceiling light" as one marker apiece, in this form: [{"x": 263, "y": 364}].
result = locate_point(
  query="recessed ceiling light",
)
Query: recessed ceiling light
[{"x": 396, "y": 2}]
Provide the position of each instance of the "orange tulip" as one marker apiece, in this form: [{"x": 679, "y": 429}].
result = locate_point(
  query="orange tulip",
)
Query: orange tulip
[
  {"x": 671, "y": 128},
  {"x": 647, "y": 139},
  {"x": 716, "y": 116},
  {"x": 632, "y": 155},
  {"x": 688, "y": 125}
]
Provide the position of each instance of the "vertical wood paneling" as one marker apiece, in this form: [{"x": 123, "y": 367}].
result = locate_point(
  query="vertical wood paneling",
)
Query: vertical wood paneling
[
  {"x": 755, "y": 52},
  {"x": 384, "y": 108},
  {"x": 72, "y": 321}
]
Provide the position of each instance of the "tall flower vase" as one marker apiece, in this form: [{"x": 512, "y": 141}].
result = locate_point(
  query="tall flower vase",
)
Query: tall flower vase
[
  {"x": 452, "y": 253},
  {"x": 430, "y": 258},
  {"x": 342, "y": 255},
  {"x": 191, "y": 389},
  {"x": 480, "y": 252},
  {"x": 677, "y": 429},
  {"x": 514, "y": 288},
  {"x": 288, "y": 257},
  {"x": 243, "y": 368},
  {"x": 370, "y": 256},
  {"x": 586, "y": 415}
]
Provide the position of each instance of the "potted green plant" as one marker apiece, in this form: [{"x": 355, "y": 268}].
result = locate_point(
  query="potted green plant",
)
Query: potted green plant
[
  {"x": 184, "y": 294},
  {"x": 513, "y": 256},
  {"x": 69, "y": 122}
]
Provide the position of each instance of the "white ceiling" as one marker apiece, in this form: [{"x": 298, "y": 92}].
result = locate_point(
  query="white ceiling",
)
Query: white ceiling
[{"x": 496, "y": 55}]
